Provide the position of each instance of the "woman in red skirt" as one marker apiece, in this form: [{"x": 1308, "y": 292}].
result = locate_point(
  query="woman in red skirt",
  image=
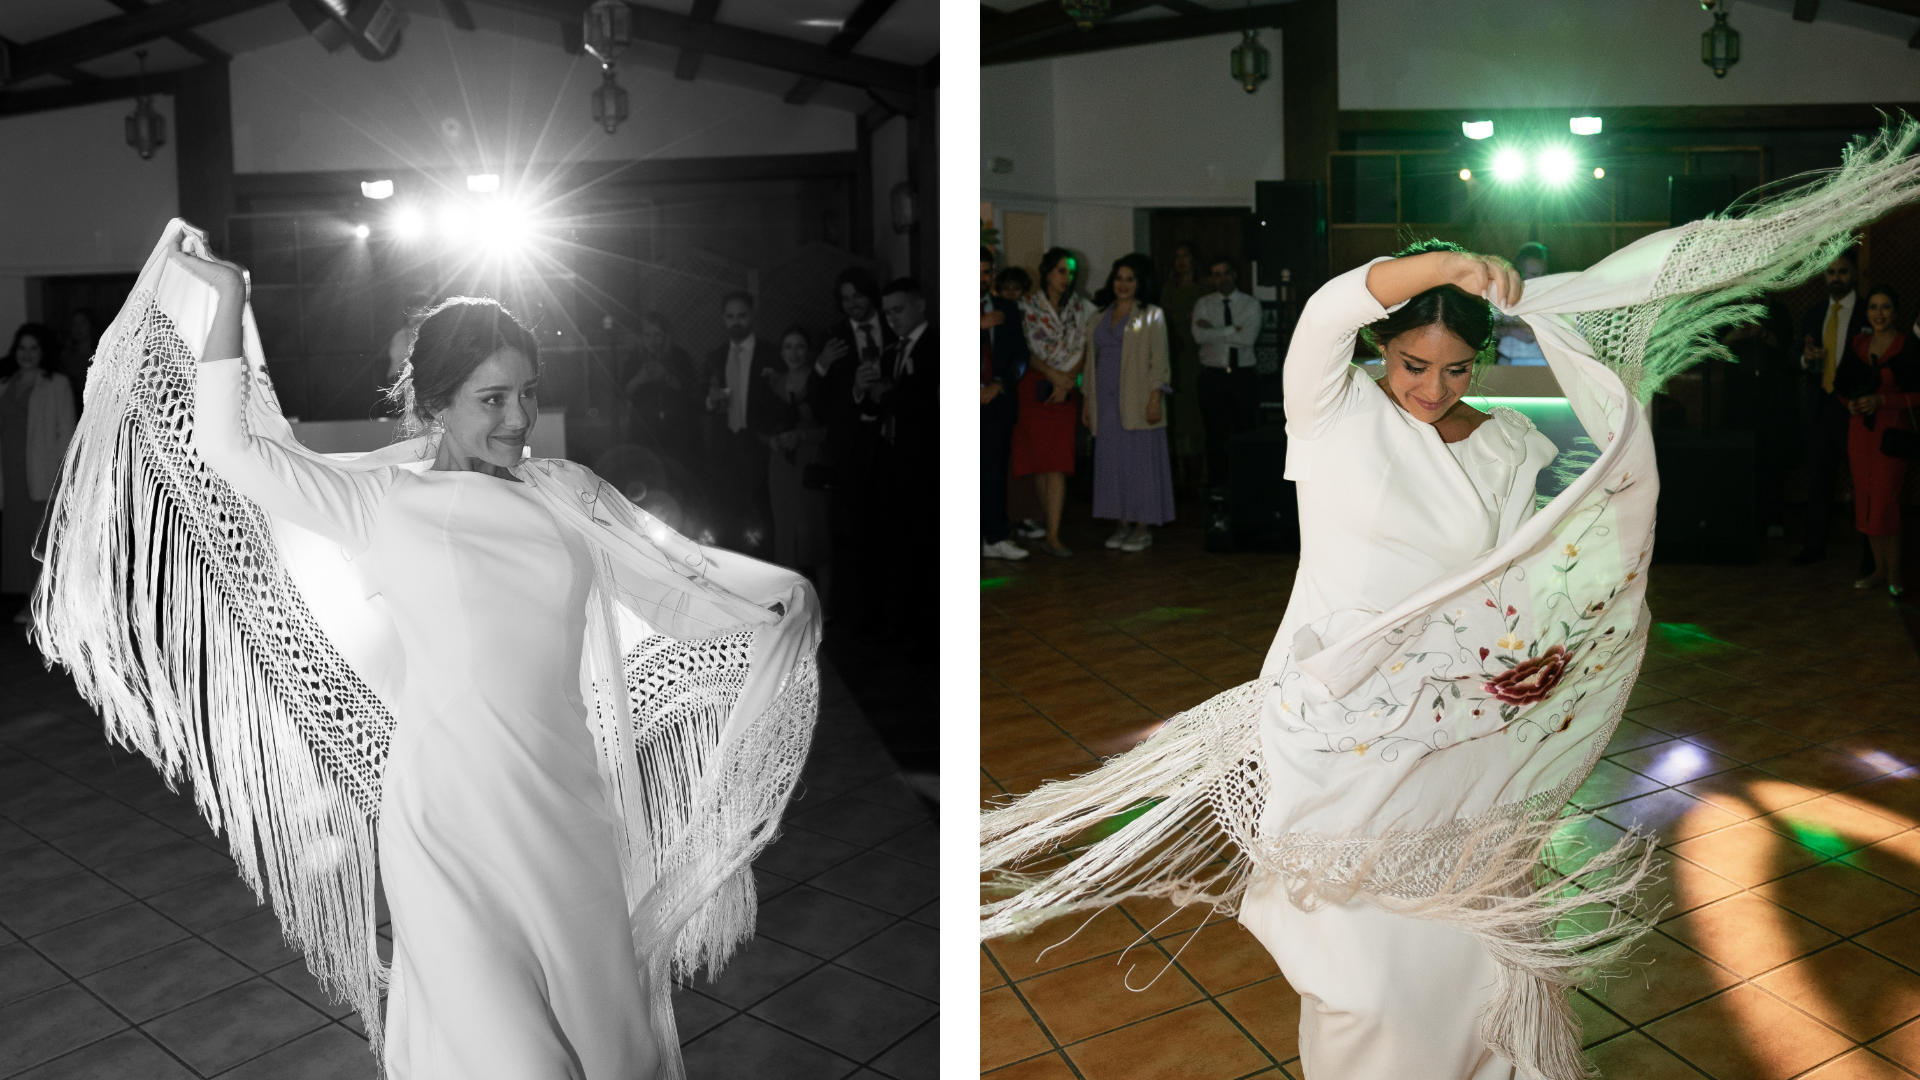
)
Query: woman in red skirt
[
  {"x": 1056, "y": 326},
  {"x": 1880, "y": 382}
]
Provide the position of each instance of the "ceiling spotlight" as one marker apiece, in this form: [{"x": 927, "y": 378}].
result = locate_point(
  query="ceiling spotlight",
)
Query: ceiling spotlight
[
  {"x": 454, "y": 221},
  {"x": 1599, "y": 173},
  {"x": 1556, "y": 165},
  {"x": 1477, "y": 129},
  {"x": 1584, "y": 125},
  {"x": 408, "y": 224},
  {"x": 377, "y": 189},
  {"x": 362, "y": 232},
  {"x": 484, "y": 182},
  {"x": 1509, "y": 166},
  {"x": 1466, "y": 174}
]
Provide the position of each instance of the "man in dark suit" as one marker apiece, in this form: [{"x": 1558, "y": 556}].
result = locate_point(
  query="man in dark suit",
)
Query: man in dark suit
[
  {"x": 1003, "y": 359},
  {"x": 1826, "y": 331},
  {"x": 862, "y": 337},
  {"x": 739, "y": 461},
  {"x": 902, "y": 397}
]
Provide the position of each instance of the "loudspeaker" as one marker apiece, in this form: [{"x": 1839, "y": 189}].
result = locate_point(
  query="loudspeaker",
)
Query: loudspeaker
[
  {"x": 1690, "y": 198},
  {"x": 1263, "y": 511},
  {"x": 1288, "y": 231},
  {"x": 1705, "y": 513}
]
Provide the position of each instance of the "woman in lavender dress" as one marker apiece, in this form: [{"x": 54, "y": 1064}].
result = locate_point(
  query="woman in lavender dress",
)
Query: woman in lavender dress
[{"x": 1126, "y": 380}]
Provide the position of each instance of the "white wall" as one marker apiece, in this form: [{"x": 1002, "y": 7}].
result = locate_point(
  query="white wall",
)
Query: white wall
[
  {"x": 1416, "y": 54},
  {"x": 1092, "y": 137},
  {"x": 890, "y": 168},
  {"x": 298, "y": 109},
  {"x": 78, "y": 199}
]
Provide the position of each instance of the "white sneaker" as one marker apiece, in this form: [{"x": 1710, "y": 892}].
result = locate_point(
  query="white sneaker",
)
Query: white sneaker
[
  {"x": 1029, "y": 529},
  {"x": 1141, "y": 540},
  {"x": 1005, "y": 549},
  {"x": 1119, "y": 536}
]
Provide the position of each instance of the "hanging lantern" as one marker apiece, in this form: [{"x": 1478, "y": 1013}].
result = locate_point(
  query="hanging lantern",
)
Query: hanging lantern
[
  {"x": 609, "y": 101},
  {"x": 607, "y": 30},
  {"x": 146, "y": 128},
  {"x": 1720, "y": 45},
  {"x": 1085, "y": 13},
  {"x": 1251, "y": 63}
]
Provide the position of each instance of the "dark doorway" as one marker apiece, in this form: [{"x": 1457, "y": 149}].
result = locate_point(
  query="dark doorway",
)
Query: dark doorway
[
  {"x": 97, "y": 296},
  {"x": 1214, "y": 231}
]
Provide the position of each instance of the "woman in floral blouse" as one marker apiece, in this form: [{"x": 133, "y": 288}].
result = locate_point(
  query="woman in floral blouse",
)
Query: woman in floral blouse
[{"x": 1056, "y": 327}]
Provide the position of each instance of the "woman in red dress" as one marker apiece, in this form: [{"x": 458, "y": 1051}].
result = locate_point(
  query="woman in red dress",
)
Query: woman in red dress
[
  {"x": 1880, "y": 382},
  {"x": 1056, "y": 319}
]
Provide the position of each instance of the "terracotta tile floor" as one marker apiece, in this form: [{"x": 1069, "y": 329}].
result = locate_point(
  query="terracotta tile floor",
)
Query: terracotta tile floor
[{"x": 1769, "y": 745}]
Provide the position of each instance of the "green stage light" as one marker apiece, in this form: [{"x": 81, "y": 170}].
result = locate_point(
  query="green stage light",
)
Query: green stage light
[
  {"x": 1509, "y": 166},
  {"x": 1555, "y": 165}
]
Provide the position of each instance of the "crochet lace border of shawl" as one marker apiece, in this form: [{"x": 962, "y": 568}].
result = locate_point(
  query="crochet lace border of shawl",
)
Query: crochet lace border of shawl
[
  {"x": 164, "y": 596},
  {"x": 1054, "y": 852}
]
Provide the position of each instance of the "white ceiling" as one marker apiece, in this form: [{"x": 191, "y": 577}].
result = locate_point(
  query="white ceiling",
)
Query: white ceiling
[{"x": 909, "y": 33}]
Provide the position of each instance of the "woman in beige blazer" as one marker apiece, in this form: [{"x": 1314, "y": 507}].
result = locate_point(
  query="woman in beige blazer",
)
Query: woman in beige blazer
[{"x": 1127, "y": 379}]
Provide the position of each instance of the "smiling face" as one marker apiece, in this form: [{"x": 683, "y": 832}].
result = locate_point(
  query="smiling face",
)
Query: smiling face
[
  {"x": 28, "y": 353},
  {"x": 854, "y": 304},
  {"x": 1880, "y": 312},
  {"x": 493, "y": 412},
  {"x": 793, "y": 350},
  {"x": 738, "y": 316},
  {"x": 1428, "y": 369},
  {"x": 1125, "y": 284}
]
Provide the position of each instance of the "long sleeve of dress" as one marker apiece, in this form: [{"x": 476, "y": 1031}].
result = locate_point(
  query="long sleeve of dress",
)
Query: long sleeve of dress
[
  {"x": 1317, "y": 374},
  {"x": 335, "y": 503}
]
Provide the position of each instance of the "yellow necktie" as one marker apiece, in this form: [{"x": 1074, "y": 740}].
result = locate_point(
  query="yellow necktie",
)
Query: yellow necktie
[{"x": 1832, "y": 344}]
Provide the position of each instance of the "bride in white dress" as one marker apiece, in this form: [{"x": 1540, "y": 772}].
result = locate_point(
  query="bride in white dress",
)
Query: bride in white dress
[{"x": 547, "y": 856}]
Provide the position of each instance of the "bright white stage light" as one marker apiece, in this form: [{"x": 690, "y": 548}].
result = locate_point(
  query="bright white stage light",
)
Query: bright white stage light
[
  {"x": 362, "y": 232},
  {"x": 1584, "y": 125},
  {"x": 376, "y": 189},
  {"x": 1477, "y": 129},
  {"x": 1599, "y": 173},
  {"x": 483, "y": 182},
  {"x": 502, "y": 226},
  {"x": 1466, "y": 174},
  {"x": 1509, "y": 166},
  {"x": 408, "y": 224},
  {"x": 454, "y": 221},
  {"x": 1556, "y": 165}
]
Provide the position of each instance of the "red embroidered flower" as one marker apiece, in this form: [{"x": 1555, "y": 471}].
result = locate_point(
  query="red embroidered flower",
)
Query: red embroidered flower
[
  {"x": 1510, "y": 609},
  {"x": 1530, "y": 680},
  {"x": 1483, "y": 652},
  {"x": 1492, "y": 605}
]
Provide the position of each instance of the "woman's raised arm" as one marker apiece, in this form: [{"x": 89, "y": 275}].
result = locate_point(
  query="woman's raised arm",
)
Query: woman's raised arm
[{"x": 332, "y": 502}]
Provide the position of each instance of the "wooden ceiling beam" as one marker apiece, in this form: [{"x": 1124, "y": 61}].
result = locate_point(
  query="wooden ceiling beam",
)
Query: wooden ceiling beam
[
  {"x": 21, "y": 102},
  {"x": 1039, "y": 20},
  {"x": 50, "y": 54},
  {"x": 1120, "y": 35},
  {"x": 186, "y": 39},
  {"x": 855, "y": 28},
  {"x": 755, "y": 47},
  {"x": 686, "y": 67}
]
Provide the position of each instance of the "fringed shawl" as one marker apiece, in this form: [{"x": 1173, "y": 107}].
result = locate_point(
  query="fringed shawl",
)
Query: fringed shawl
[
  {"x": 1341, "y": 768},
  {"x": 237, "y": 650}
]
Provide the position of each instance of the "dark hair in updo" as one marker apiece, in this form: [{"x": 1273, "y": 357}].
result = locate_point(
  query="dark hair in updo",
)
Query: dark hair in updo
[
  {"x": 454, "y": 339},
  {"x": 1466, "y": 316},
  {"x": 1892, "y": 297}
]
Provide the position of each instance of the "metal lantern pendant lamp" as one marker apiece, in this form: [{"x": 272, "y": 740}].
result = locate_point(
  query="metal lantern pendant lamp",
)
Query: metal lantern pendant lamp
[
  {"x": 606, "y": 31},
  {"x": 1720, "y": 44},
  {"x": 146, "y": 128},
  {"x": 1251, "y": 63},
  {"x": 1085, "y": 13}
]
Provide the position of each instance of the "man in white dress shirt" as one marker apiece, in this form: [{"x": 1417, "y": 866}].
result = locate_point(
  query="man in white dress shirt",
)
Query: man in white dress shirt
[{"x": 1226, "y": 323}]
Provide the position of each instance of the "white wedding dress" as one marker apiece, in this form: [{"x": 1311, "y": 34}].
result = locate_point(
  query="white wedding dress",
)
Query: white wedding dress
[{"x": 513, "y": 955}]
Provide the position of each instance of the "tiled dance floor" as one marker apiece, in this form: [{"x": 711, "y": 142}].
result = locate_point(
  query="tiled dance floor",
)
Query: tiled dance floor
[
  {"x": 1769, "y": 746},
  {"x": 129, "y": 950}
]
